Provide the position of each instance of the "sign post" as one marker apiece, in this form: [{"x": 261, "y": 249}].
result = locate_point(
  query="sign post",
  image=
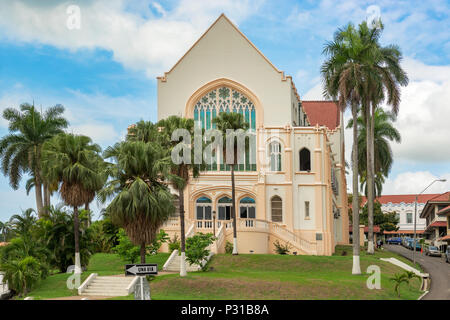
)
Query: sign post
[{"x": 141, "y": 270}]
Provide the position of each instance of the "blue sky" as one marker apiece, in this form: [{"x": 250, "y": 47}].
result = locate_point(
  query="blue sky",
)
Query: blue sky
[{"x": 104, "y": 73}]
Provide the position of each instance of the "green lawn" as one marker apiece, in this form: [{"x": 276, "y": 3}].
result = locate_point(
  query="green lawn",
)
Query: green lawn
[
  {"x": 104, "y": 264},
  {"x": 254, "y": 276}
]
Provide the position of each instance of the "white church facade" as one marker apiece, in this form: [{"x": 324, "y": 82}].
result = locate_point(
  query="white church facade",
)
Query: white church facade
[{"x": 296, "y": 191}]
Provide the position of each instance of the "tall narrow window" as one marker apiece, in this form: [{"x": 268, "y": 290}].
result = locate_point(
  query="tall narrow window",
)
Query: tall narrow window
[
  {"x": 305, "y": 160},
  {"x": 277, "y": 209},
  {"x": 275, "y": 156},
  {"x": 409, "y": 217},
  {"x": 176, "y": 204},
  {"x": 306, "y": 209}
]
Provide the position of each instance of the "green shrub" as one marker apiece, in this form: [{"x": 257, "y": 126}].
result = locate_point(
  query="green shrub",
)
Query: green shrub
[
  {"x": 22, "y": 275},
  {"x": 282, "y": 249},
  {"x": 228, "y": 247},
  {"x": 161, "y": 238},
  {"x": 125, "y": 249},
  {"x": 196, "y": 251},
  {"x": 174, "y": 244}
]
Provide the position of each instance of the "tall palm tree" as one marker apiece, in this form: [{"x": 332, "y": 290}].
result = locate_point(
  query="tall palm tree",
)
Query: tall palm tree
[
  {"x": 383, "y": 80},
  {"x": 229, "y": 123},
  {"x": 74, "y": 161},
  {"x": 180, "y": 171},
  {"x": 20, "y": 150},
  {"x": 141, "y": 200},
  {"x": 343, "y": 74},
  {"x": 384, "y": 131}
]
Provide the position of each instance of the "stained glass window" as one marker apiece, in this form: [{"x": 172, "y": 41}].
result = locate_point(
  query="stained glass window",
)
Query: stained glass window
[{"x": 225, "y": 99}]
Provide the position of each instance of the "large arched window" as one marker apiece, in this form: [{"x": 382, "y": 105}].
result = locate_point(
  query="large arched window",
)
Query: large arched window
[
  {"x": 203, "y": 208},
  {"x": 275, "y": 156},
  {"x": 247, "y": 208},
  {"x": 277, "y": 209},
  {"x": 227, "y": 99},
  {"x": 305, "y": 160}
]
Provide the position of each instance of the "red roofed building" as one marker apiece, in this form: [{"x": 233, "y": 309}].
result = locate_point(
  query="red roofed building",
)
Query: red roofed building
[
  {"x": 436, "y": 213},
  {"x": 322, "y": 113},
  {"x": 404, "y": 206}
]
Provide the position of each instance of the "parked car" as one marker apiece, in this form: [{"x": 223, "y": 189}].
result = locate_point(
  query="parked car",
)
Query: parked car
[
  {"x": 432, "y": 251},
  {"x": 405, "y": 242},
  {"x": 394, "y": 241},
  {"x": 447, "y": 254}
]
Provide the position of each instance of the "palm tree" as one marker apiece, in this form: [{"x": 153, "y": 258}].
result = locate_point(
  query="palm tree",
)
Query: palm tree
[
  {"x": 384, "y": 132},
  {"x": 5, "y": 229},
  {"x": 384, "y": 77},
  {"x": 20, "y": 150},
  {"x": 142, "y": 201},
  {"x": 22, "y": 224},
  {"x": 229, "y": 123},
  {"x": 180, "y": 171},
  {"x": 343, "y": 76},
  {"x": 76, "y": 162}
]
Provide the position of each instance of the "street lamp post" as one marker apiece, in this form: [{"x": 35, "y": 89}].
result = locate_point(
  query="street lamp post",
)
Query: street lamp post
[{"x": 415, "y": 217}]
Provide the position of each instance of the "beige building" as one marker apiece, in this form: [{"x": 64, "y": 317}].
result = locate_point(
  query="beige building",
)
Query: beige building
[{"x": 296, "y": 191}]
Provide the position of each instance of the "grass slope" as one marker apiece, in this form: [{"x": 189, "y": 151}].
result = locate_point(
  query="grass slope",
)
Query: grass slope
[
  {"x": 251, "y": 276},
  {"x": 104, "y": 264}
]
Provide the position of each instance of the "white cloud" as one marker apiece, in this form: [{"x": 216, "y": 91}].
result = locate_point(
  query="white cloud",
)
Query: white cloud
[
  {"x": 415, "y": 182},
  {"x": 100, "y": 133},
  {"x": 148, "y": 43}
]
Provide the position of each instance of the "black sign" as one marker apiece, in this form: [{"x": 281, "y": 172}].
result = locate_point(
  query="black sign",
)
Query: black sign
[{"x": 141, "y": 269}]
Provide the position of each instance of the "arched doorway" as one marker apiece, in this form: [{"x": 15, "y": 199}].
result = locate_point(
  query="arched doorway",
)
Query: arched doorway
[
  {"x": 224, "y": 210},
  {"x": 247, "y": 210},
  {"x": 203, "y": 212}
]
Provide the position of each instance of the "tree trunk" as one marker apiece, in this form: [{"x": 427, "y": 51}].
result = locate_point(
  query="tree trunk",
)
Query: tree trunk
[
  {"x": 76, "y": 227},
  {"x": 355, "y": 204},
  {"x": 46, "y": 198},
  {"x": 38, "y": 191},
  {"x": 369, "y": 180},
  {"x": 86, "y": 207},
  {"x": 233, "y": 210},
  {"x": 182, "y": 234},
  {"x": 142, "y": 253}
]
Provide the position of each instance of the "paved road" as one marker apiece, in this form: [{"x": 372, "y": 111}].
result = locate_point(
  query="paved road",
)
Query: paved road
[{"x": 438, "y": 269}]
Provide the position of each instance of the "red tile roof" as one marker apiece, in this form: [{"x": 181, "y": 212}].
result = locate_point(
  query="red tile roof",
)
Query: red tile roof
[
  {"x": 403, "y": 232},
  {"x": 445, "y": 210},
  {"x": 406, "y": 198},
  {"x": 444, "y": 197},
  {"x": 437, "y": 224},
  {"x": 323, "y": 113},
  {"x": 446, "y": 238}
]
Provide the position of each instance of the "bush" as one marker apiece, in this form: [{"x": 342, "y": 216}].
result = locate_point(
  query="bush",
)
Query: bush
[
  {"x": 228, "y": 247},
  {"x": 22, "y": 275},
  {"x": 282, "y": 249},
  {"x": 174, "y": 244},
  {"x": 196, "y": 251},
  {"x": 125, "y": 249},
  {"x": 161, "y": 238},
  {"x": 104, "y": 235}
]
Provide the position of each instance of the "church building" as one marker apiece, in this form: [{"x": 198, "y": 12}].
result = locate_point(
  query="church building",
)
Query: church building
[{"x": 296, "y": 192}]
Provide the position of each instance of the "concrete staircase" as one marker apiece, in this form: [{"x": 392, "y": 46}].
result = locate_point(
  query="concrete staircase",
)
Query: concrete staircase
[
  {"x": 174, "y": 264},
  {"x": 113, "y": 286}
]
